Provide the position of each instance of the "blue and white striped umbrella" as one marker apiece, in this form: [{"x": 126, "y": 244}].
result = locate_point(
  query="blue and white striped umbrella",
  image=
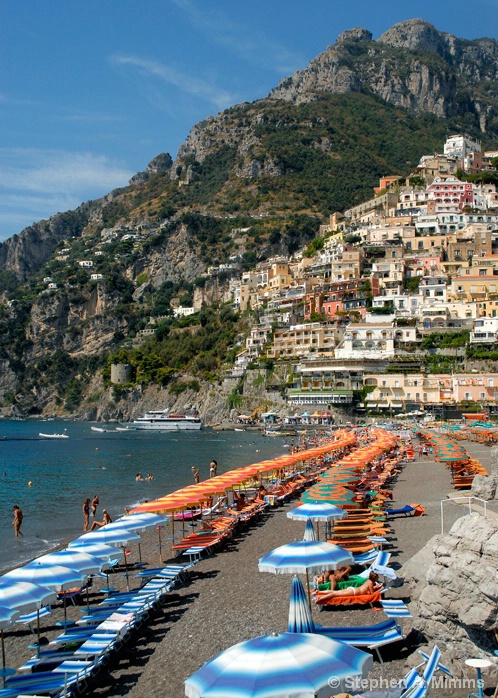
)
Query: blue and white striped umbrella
[
  {"x": 279, "y": 666},
  {"x": 24, "y": 596},
  {"x": 300, "y": 620},
  {"x": 317, "y": 511},
  {"x": 74, "y": 559},
  {"x": 119, "y": 536},
  {"x": 48, "y": 575},
  {"x": 305, "y": 556},
  {"x": 98, "y": 550},
  {"x": 137, "y": 522}
]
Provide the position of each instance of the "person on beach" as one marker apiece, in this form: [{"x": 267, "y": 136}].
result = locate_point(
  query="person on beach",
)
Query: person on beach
[
  {"x": 240, "y": 501},
  {"x": 213, "y": 467},
  {"x": 86, "y": 514},
  {"x": 368, "y": 587},
  {"x": 18, "y": 517},
  {"x": 95, "y": 503},
  {"x": 106, "y": 520},
  {"x": 196, "y": 474}
]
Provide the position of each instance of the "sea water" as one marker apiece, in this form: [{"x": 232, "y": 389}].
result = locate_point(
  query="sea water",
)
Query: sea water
[{"x": 50, "y": 478}]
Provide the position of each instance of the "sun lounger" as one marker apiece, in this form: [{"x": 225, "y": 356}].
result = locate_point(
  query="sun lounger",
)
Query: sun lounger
[
  {"x": 407, "y": 510},
  {"x": 373, "y": 637},
  {"x": 355, "y": 599},
  {"x": 30, "y": 618},
  {"x": 413, "y": 685}
]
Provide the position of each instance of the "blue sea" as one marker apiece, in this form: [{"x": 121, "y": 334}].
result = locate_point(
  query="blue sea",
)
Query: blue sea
[{"x": 64, "y": 472}]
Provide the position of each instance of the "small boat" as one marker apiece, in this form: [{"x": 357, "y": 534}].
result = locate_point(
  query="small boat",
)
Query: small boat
[
  {"x": 239, "y": 429},
  {"x": 53, "y": 436},
  {"x": 122, "y": 429},
  {"x": 99, "y": 429}
]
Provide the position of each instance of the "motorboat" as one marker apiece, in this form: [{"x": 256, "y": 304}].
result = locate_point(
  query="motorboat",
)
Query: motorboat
[
  {"x": 162, "y": 420},
  {"x": 53, "y": 436}
]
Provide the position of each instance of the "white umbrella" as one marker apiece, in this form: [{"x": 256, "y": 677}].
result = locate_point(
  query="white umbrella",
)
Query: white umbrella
[
  {"x": 51, "y": 576},
  {"x": 25, "y": 597}
]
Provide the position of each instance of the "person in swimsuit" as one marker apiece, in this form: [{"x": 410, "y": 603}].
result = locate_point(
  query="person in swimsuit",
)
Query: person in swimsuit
[
  {"x": 213, "y": 467},
  {"x": 86, "y": 514},
  {"x": 368, "y": 587},
  {"x": 18, "y": 517},
  {"x": 97, "y": 524},
  {"x": 95, "y": 503}
]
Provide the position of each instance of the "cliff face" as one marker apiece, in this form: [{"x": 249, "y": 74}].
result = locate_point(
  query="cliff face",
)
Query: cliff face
[{"x": 412, "y": 65}]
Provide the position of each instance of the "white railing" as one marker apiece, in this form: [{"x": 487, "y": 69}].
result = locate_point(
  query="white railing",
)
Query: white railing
[{"x": 469, "y": 499}]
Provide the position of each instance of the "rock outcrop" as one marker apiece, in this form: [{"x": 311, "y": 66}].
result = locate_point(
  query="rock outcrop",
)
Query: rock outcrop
[
  {"x": 486, "y": 486},
  {"x": 412, "y": 65},
  {"x": 158, "y": 165},
  {"x": 454, "y": 586}
]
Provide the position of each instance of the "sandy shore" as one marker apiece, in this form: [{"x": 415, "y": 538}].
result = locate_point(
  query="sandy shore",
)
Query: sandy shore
[{"x": 228, "y": 600}]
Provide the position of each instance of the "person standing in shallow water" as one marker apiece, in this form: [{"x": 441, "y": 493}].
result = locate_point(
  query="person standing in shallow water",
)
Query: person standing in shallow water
[
  {"x": 18, "y": 517},
  {"x": 195, "y": 473},
  {"x": 95, "y": 503},
  {"x": 213, "y": 467},
  {"x": 86, "y": 514}
]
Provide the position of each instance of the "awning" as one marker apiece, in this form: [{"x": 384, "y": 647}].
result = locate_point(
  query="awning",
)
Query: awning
[
  {"x": 371, "y": 404},
  {"x": 396, "y": 404}
]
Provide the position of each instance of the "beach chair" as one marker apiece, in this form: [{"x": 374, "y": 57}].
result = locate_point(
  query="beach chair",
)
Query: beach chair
[
  {"x": 30, "y": 618},
  {"x": 412, "y": 685},
  {"x": 356, "y": 599},
  {"x": 372, "y": 637}
]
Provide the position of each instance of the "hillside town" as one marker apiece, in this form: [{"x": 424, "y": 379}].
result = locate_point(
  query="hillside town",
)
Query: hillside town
[{"x": 385, "y": 310}]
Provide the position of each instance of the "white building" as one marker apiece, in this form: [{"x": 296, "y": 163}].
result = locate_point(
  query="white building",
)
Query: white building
[
  {"x": 183, "y": 311},
  {"x": 96, "y": 277},
  {"x": 485, "y": 331},
  {"x": 85, "y": 264},
  {"x": 367, "y": 341},
  {"x": 459, "y": 146}
]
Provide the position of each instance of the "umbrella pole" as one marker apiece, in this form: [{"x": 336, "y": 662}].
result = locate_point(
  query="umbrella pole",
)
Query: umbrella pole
[
  {"x": 38, "y": 627},
  {"x": 308, "y": 588},
  {"x": 160, "y": 546},
  {"x": 65, "y": 608},
  {"x": 3, "y": 656},
  {"x": 140, "y": 555},
  {"x": 126, "y": 572}
]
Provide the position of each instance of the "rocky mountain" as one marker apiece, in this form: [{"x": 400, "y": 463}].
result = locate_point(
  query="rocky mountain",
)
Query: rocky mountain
[
  {"x": 254, "y": 180},
  {"x": 412, "y": 65}
]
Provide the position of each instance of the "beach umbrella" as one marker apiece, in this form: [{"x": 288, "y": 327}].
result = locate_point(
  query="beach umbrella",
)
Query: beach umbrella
[
  {"x": 118, "y": 536},
  {"x": 279, "y": 666},
  {"x": 76, "y": 560},
  {"x": 48, "y": 575},
  {"x": 305, "y": 556},
  {"x": 317, "y": 511},
  {"x": 136, "y": 522},
  {"x": 25, "y": 597},
  {"x": 300, "y": 620},
  {"x": 7, "y": 616},
  {"x": 98, "y": 550}
]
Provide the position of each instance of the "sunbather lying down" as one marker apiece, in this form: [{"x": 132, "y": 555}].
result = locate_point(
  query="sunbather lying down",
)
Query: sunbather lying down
[
  {"x": 368, "y": 587},
  {"x": 338, "y": 579}
]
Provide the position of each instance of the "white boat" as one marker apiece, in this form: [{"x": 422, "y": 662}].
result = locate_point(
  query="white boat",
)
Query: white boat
[
  {"x": 53, "y": 436},
  {"x": 99, "y": 429},
  {"x": 122, "y": 429},
  {"x": 161, "y": 420}
]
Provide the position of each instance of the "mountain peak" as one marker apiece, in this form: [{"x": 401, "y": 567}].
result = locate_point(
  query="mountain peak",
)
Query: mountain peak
[
  {"x": 355, "y": 34},
  {"x": 415, "y": 35}
]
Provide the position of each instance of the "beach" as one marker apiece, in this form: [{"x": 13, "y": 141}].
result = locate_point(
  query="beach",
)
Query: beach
[{"x": 227, "y": 599}]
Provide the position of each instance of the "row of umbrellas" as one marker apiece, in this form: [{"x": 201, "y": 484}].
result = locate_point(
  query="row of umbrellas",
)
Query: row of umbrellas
[
  {"x": 31, "y": 587},
  {"x": 198, "y": 493}
]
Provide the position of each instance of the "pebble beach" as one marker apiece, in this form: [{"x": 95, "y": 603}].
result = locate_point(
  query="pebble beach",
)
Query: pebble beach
[{"x": 227, "y": 600}]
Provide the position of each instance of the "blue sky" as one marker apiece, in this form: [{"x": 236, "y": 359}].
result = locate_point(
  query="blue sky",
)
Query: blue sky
[{"x": 91, "y": 91}]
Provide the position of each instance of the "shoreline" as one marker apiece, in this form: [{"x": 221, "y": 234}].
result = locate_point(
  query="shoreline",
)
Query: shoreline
[{"x": 228, "y": 600}]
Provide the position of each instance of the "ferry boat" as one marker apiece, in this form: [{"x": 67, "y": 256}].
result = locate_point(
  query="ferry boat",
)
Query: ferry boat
[{"x": 161, "y": 420}]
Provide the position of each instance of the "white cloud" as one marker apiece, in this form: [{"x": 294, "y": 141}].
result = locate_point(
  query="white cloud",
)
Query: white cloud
[
  {"x": 36, "y": 184},
  {"x": 197, "y": 87},
  {"x": 252, "y": 45}
]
